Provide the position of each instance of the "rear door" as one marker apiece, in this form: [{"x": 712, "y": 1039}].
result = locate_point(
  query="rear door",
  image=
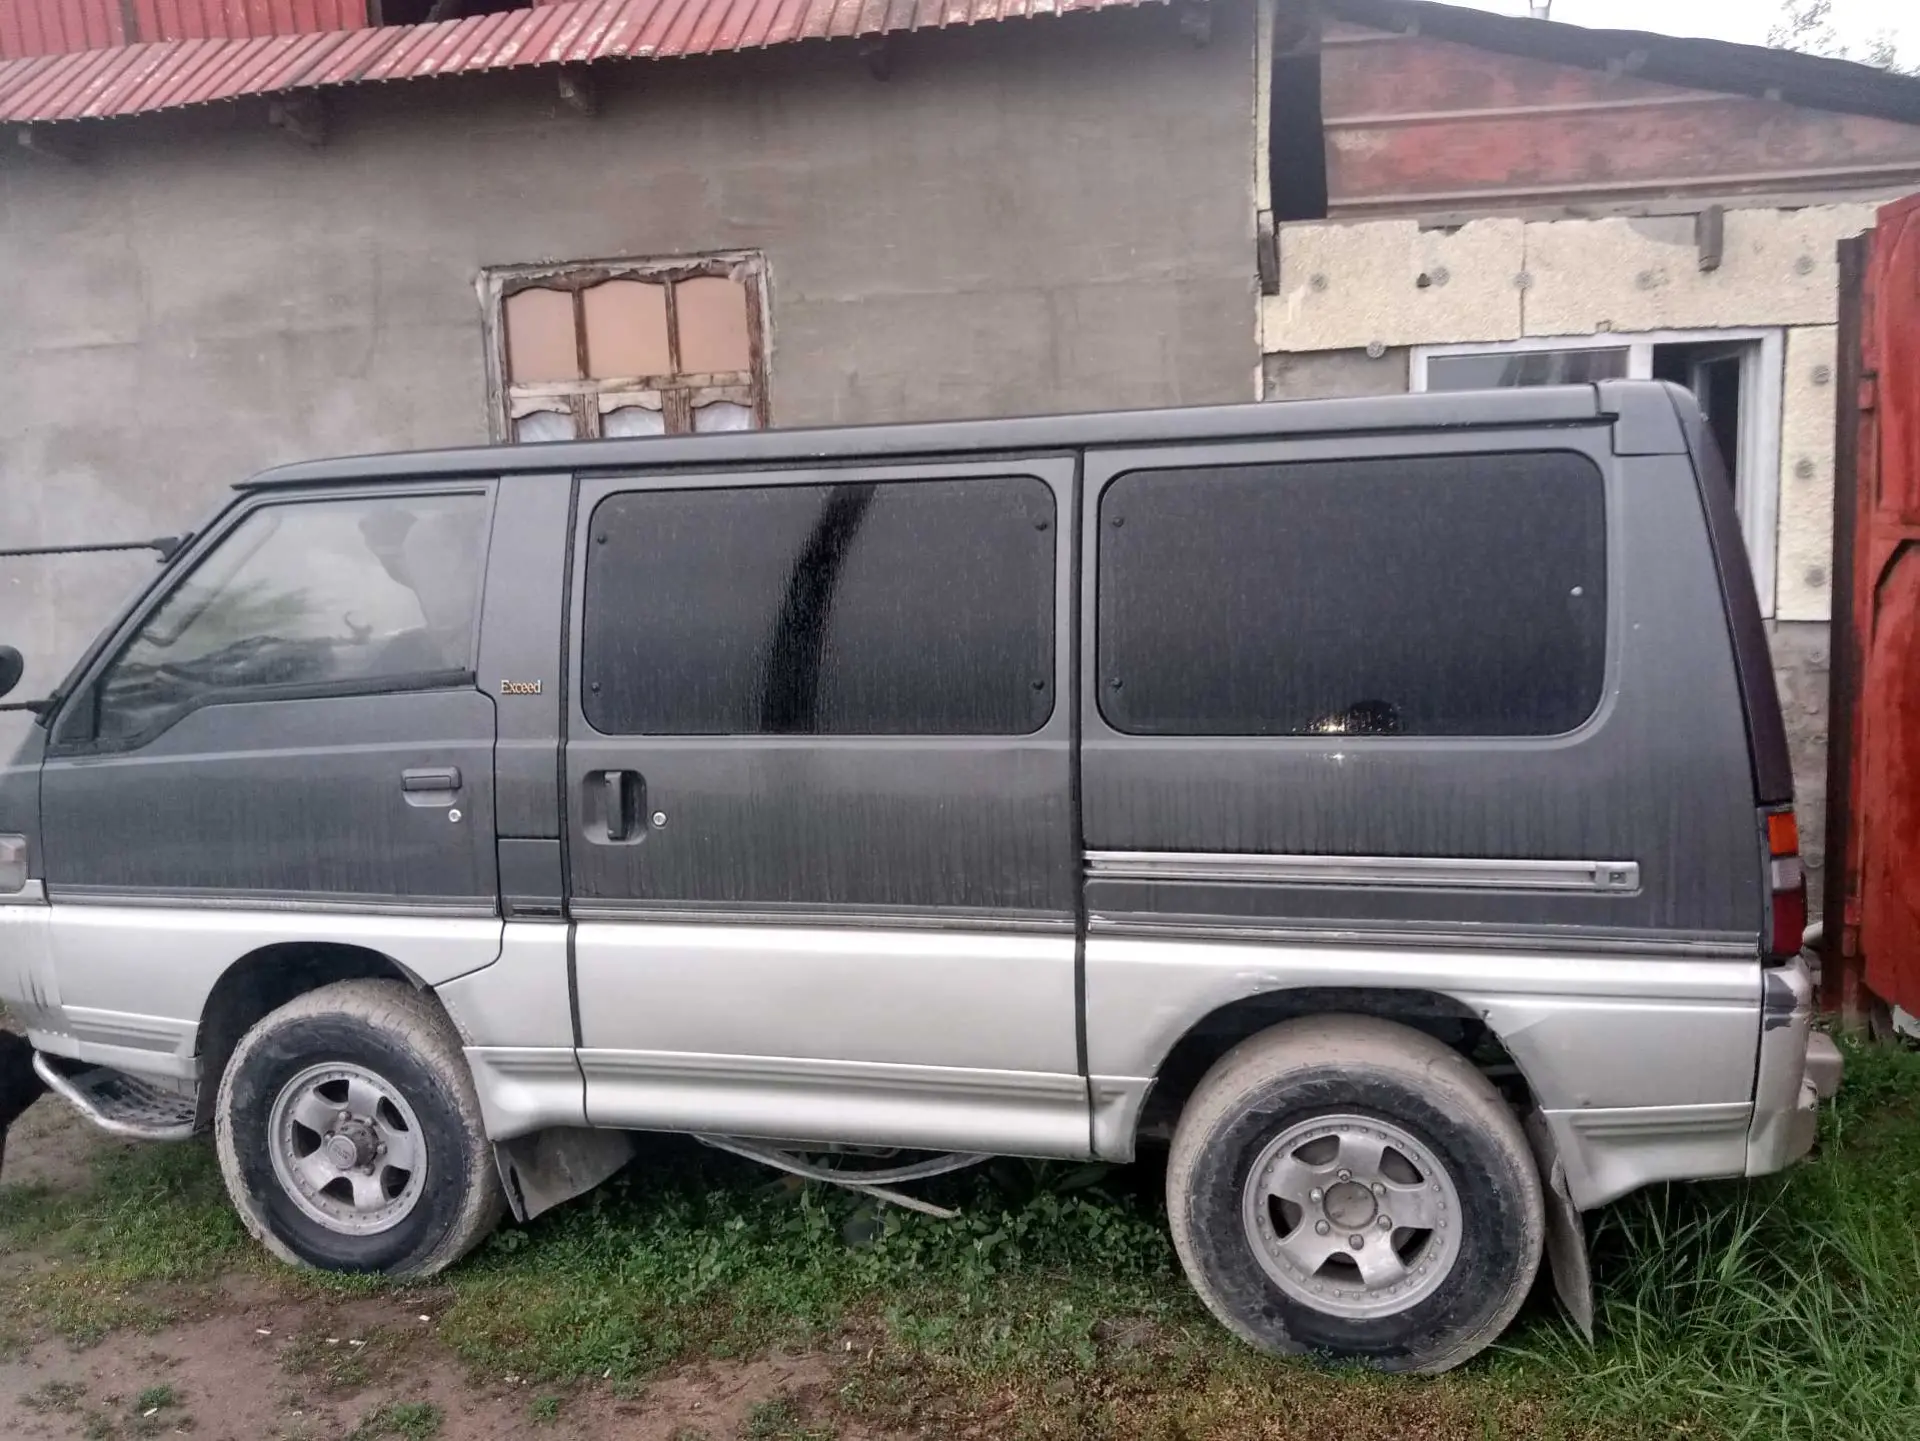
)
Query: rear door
[
  {"x": 294, "y": 724},
  {"x": 820, "y": 840}
]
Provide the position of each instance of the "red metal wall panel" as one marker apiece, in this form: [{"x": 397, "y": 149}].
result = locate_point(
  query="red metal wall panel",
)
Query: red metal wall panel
[
  {"x": 1414, "y": 123},
  {"x": 1882, "y": 853},
  {"x": 60, "y": 27},
  {"x": 55, "y": 27}
]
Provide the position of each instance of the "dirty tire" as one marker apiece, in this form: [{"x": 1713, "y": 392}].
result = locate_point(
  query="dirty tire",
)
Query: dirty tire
[
  {"x": 399, "y": 1033},
  {"x": 1357, "y": 1066}
]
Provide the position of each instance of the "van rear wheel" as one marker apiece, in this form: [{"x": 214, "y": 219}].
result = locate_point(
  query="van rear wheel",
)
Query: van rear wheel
[
  {"x": 1344, "y": 1186},
  {"x": 350, "y": 1137}
]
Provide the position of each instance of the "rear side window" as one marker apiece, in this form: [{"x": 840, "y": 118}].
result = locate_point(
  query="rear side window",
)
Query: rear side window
[
  {"x": 341, "y": 596},
  {"x": 909, "y": 608},
  {"x": 1456, "y": 595}
]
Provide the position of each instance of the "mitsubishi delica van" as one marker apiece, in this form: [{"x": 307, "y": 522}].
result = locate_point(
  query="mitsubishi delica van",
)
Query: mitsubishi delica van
[{"x": 1383, "y": 803}]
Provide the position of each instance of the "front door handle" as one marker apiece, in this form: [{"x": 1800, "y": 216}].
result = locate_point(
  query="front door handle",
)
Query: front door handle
[
  {"x": 430, "y": 785},
  {"x": 616, "y": 802}
]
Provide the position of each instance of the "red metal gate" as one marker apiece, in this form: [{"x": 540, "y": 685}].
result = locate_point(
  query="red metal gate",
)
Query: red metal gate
[{"x": 1873, "y": 905}]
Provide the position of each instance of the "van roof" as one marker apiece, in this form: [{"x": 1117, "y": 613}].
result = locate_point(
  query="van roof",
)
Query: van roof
[{"x": 1656, "y": 429}]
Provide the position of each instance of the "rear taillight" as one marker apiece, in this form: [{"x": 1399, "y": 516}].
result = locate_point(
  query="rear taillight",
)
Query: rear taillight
[{"x": 1788, "y": 882}]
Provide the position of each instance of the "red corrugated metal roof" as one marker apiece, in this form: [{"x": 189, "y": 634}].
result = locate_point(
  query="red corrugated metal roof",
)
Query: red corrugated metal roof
[
  {"x": 135, "y": 79},
  {"x": 58, "y": 27}
]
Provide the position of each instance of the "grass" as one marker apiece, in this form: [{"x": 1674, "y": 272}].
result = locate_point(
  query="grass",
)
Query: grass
[
  {"x": 1054, "y": 1308},
  {"x": 544, "y": 1410},
  {"x": 401, "y": 1421},
  {"x": 779, "y": 1419},
  {"x": 155, "y": 1398}
]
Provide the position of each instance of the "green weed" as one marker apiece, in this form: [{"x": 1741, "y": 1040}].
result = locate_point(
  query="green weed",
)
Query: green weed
[
  {"x": 401, "y": 1421},
  {"x": 780, "y": 1420},
  {"x": 544, "y": 1410}
]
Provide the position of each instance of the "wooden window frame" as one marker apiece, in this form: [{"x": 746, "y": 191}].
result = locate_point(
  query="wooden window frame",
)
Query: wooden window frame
[{"x": 586, "y": 400}]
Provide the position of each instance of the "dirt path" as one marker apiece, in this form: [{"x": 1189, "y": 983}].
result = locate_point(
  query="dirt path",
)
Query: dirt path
[{"x": 249, "y": 1364}]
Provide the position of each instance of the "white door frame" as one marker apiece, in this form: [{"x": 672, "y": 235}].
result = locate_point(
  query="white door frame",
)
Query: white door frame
[{"x": 1757, "y": 467}]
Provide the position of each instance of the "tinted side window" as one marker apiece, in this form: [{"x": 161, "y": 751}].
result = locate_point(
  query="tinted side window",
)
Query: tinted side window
[
  {"x": 910, "y": 608},
  {"x": 367, "y": 593},
  {"x": 1459, "y": 595}
]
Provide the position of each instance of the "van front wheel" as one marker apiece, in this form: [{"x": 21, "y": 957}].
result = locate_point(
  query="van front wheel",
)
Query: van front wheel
[
  {"x": 1344, "y": 1186},
  {"x": 350, "y": 1137}
]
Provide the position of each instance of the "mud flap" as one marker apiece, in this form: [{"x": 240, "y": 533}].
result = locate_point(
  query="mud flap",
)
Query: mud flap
[
  {"x": 542, "y": 1170},
  {"x": 1566, "y": 1230},
  {"x": 20, "y": 1084}
]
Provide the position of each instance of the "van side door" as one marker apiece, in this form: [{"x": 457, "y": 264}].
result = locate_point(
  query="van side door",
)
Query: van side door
[
  {"x": 821, "y": 851},
  {"x": 292, "y": 725},
  {"x": 1367, "y": 705}
]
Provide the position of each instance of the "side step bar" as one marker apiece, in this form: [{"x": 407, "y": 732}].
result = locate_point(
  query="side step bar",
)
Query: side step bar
[{"x": 120, "y": 1104}]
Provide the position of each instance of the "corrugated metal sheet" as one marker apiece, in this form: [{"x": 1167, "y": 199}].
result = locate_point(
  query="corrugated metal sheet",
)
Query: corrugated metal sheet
[
  {"x": 54, "y": 27},
  {"x": 242, "y": 19},
  {"x": 136, "y": 79},
  {"x": 60, "y": 27}
]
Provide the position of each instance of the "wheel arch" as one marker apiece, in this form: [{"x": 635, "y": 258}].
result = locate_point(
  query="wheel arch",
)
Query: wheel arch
[
  {"x": 1210, "y": 1036},
  {"x": 266, "y": 978}
]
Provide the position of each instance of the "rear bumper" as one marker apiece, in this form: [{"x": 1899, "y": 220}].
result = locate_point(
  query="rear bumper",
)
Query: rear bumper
[{"x": 1799, "y": 1067}]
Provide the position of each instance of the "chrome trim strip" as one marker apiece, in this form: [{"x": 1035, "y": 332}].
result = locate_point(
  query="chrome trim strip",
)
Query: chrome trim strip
[
  {"x": 935, "y": 1108},
  {"x": 1426, "y": 935},
  {"x": 335, "y": 903},
  {"x": 33, "y": 893},
  {"x": 1378, "y": 872},
  {"x": 523, "y": 1089},
  {"x": 957, "y": 919},
  {"x": 1610, "y": 1152},
  {"x": 78, "y": 1099},
  {"x": 134, "y": 1032},
  {"x": 1661, "y": 1122}
]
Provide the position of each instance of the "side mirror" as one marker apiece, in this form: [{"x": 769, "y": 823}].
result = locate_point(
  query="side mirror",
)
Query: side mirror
[{"x": 12, "y": 666}]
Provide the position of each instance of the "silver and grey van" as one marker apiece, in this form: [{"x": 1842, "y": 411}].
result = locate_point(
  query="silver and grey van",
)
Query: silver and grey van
[{"x": 1385, "y": 803}]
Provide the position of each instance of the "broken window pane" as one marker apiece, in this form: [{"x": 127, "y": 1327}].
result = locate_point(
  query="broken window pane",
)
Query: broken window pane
[
  {"x": 1525, "y": 367},
  {"x": 543, "y": 425},
  {"x": 713, "y": 325},
  {"x": 633, "y": 420},
  {"x": 722, "y": 415},
  {"x": 626, "y": 329},
  {"x": 540, "y": 337}
]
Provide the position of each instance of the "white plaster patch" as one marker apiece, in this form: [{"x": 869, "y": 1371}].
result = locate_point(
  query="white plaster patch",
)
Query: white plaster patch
[
  {"x": 1778, "y": 267},
  {"x": 1346, "y": 286},
  {"x": 1809, "y": 397}
]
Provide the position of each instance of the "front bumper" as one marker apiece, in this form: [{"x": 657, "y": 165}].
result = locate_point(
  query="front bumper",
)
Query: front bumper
[{"x": 1799, "y": 1068}]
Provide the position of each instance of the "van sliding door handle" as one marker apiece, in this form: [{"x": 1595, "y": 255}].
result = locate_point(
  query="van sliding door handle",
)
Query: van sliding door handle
[
  {"x": 432, "y": 778},
  {"x": 616, "y": 785},
  {"x": 615, "y": 802}
]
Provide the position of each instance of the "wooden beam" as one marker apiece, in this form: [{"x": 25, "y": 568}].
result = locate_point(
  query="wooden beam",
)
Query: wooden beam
[
  {"x": 578, "y": 91},
  {"x": 304, "y": 117},
  {"x": 42, "y": 141},
  {"x": 1710, "y": 236}
]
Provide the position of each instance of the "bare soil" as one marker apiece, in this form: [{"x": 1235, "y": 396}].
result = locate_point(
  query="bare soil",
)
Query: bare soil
[{"x": 246, "y": 1363}]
